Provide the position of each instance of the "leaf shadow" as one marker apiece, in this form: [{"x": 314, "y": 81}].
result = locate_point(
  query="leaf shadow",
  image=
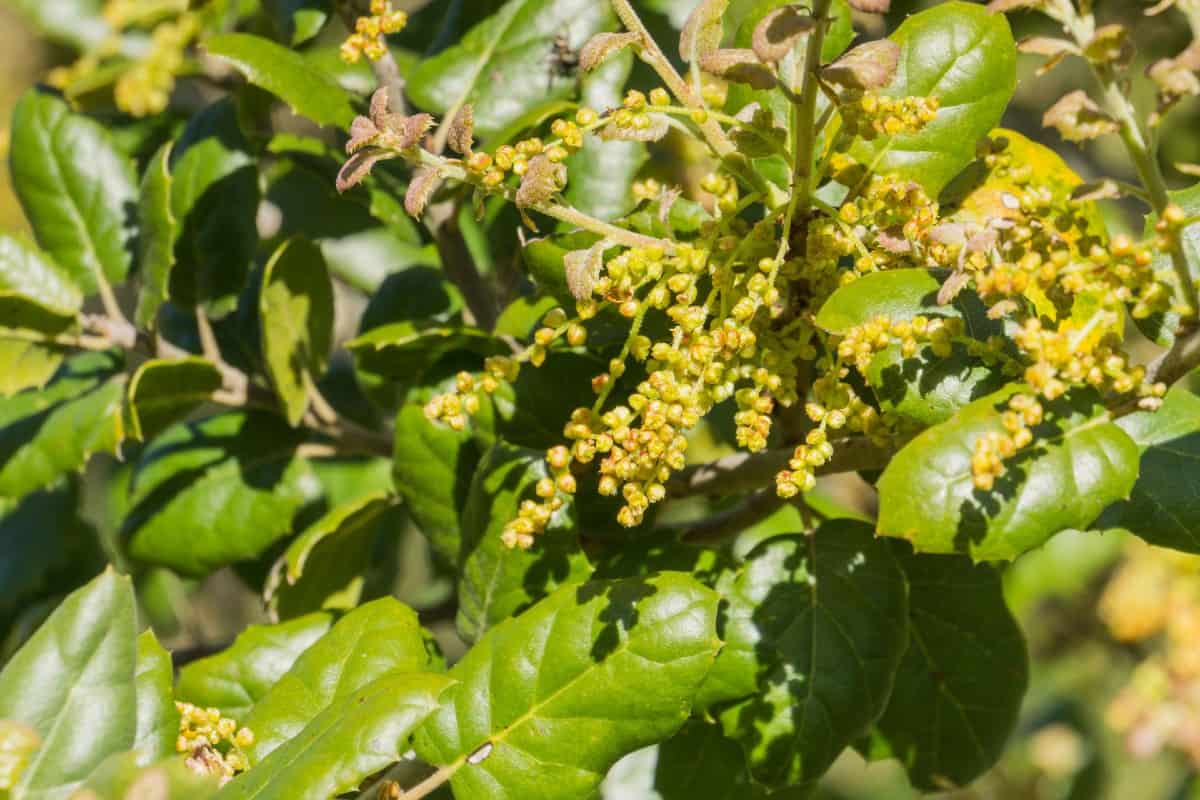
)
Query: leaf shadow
[{"x": 620, "y": 613}]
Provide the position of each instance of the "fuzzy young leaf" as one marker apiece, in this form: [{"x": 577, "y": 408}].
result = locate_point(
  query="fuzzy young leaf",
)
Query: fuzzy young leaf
[
  {"x": 242, "y": 674},
  {"x": 960, "y": 685},
  {"x": 814, "y": 632},
  {"x": 377, "y": 638},
  {"x": 1078, "y": 463},
  {"x": 74, "y": 683},
  {"x": 296, "y": 312},
  {"x": 497, "y": 582},
  {"x": 310, "y": 92},
  {"x": 964, "y": 56},
  {"x": 619, "y": 665},
  {"x": 76, "y": 188}
]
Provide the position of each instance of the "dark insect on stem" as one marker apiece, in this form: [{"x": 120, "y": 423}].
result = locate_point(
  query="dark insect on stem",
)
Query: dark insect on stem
[{"x": 563, "y": 60}]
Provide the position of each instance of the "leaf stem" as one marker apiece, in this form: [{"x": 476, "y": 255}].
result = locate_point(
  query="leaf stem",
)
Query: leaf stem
[
  {"x": 431, "y": 783},
  {"x": 1120, "y": 107},
  {"x": 804, "y": 115}
]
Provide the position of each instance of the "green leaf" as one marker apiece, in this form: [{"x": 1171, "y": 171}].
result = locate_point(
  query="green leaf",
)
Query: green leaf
[
  {"x": 1078, "y": 464},
  {"x": 50, "y": 433},
  {"x": 1161, "y": 327},
  {"x": 296, "y": 313},
  {"x": 27, "y": 271},
  {"x": 602, "y": 173},
  {"x": 960, "y": 685},
  {"x": 76, "y": 188},
  {"x": 163, "y": 391},
  {"x": 20, "y": 312},
  {"x": 73, "y": 683},
  {"x": 701, "y": 763},
  {"x": 157, "y": 235},
  {"x": 1164, "y": 505},
  {"x": 532, "y": 410},
  {"x": 434, "y": 465},
  {"x": 590, "y": 673},
  {"x": 298, "y": 20},
  {"x": 46, "y": 548},
  {"x": 25, "y": 365},
  {"x": 495, "y": 581},
  {"x": 501, "y": 66},
  {"x": 217, "y": 491},
  {"x": 286, "y": 74},
  {"x": 346, "y": 743},
  {"x": 380, "y": 637},
  {"x": 543, "y": 259},
  {"x": 121, "y": 777},
  {"x": 900, "y": 295},
  {"x": 242, "y": 674},
  {"x": 214, "y": 200},
  {"x": 404, "y": 351},
  {"x": 323, "y": 567},
  {"x": 157, "y": 717},
  {"x": 965, "y": 56},
  {"x": 814, "y": 632},
  {"x": 927, "y": 388}
]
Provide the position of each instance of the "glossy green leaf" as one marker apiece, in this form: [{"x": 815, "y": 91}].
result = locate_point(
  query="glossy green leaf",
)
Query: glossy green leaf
[
  {"x": 298, "y": 20},
  {"x": 46, "y": 434},
  {"x": 157, "y": 717},
  {"x": 163, "y": 391},
  {"x": 1078, "y": 464},
  {"x": 899, "y": 294},
  {"x": 434, "y": 465},
  {"x": 76, "y": 188},
  {"x": 532, "y": 410},
  {"x": 929, "y": 389},
  {"x": 296, "y": 316},
  {"x": 216, "y": 491},
  {"x": 344, "y": 744},
  {"x": 242, "y": 674},
  {"x": 286, "y": 74},
  {"x": 25, "y": 365},
  {"x": 323, "y": 567},
  {"x": 25, "y": 314},
  {"x": 122, "y": 777},
  {"x": 380, "y": 637},
  {"x": 589, "y": 674},
  {"x": 46, "y": 547},
  {"x": 214, "y": 201},
  {"x": 27, "y": 271},
  {"x": 814, "y": 632},
  {"x": 965, "y": 56},
  {"x": 73, "y": 683},
  {"x": 404, "y": 351},
  {"x": 701, "y": 763},
  {"x": 543, "y": 257},
  {"x": 960, "y": 685},
  {"x": 501, "y": 66},
  {"x": 495, "y": 581},
  {"x": 1164, "y": 505},
  {"x": 157, "y": 234}
]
